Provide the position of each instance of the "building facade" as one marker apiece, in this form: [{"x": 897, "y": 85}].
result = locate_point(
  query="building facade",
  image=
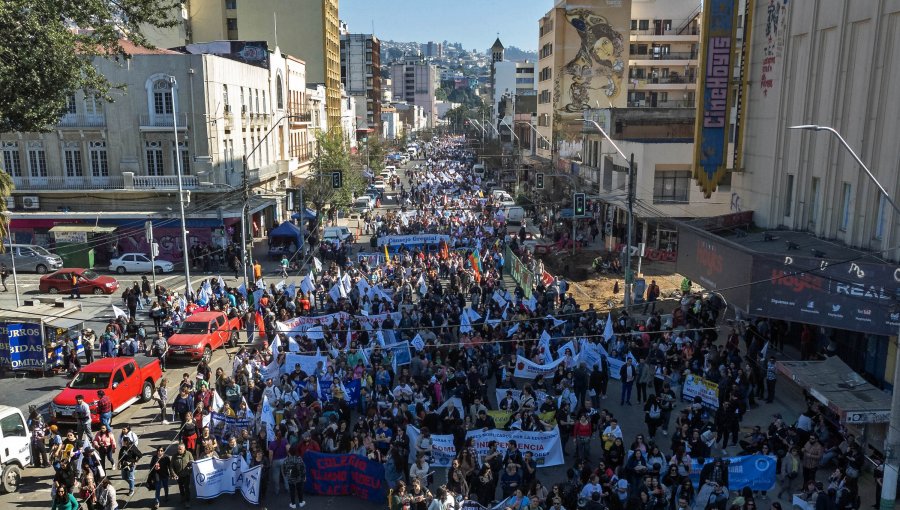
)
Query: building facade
[
  {"x": 309, "y": 30},
  {"x": 361, "y": 76},
  {"x": 415, "y": 81},
  {"x": 221, "y": 120}
]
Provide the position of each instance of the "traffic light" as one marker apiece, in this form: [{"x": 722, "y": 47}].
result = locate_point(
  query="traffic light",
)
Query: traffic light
[
  {"x": 539, "y": 181},
  {"x": 337, "y": 180},
  {"x": 579, "y": 204}
]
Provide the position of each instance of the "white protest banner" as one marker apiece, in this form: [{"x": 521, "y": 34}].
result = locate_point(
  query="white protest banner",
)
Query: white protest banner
[
  {"x": 307, "y": 363},
  {"x": 299, "y": 325},
  {"x": 708, "y": 391},
  {"x": 615, "y": 365},
  {"x": 527, "y": 369},
  {"x": 249, "y": 487},
  {"x": 397, "y": 241},
  {"x": 442, "y": 449},
  {"x": 545, "y": 446},
  {"x": 214, "y": 477}
]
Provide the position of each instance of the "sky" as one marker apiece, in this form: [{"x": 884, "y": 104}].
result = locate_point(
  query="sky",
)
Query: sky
[{"x": 474, "y": 23}]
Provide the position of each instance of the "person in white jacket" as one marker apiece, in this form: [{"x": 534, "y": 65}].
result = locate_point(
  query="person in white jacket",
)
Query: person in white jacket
[{"x": 419, "y": 470}]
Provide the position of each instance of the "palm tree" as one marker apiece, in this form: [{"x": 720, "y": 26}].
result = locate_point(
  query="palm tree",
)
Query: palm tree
[{"x": 6, "y": 188}]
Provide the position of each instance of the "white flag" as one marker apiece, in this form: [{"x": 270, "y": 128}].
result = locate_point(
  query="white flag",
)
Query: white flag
[
  {"x": 118, "y": 312},
  {"x": 217, "y": 403},
  {"x": 307, "y": 284},
  {"x": 317, "y": 264},
  {"x": 608, "y": 329}
]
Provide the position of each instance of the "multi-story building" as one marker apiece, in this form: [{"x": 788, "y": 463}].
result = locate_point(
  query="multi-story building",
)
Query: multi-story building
[
  {"x": 115, "y": 165},
  {"x": 392, "y": 127},
  {"x": 434, "y": 50},
  {"x": 309, "y": 29},
  {"x": 415, "y": 81},
  {"x": 361, "y": 76}
]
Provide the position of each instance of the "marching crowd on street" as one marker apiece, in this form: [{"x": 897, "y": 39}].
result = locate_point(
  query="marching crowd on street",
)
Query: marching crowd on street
[{"x": 469, "y": 326}]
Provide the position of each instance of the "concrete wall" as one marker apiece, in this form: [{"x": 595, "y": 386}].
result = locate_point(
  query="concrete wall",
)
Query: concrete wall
[{"x": 831, "y": 63}]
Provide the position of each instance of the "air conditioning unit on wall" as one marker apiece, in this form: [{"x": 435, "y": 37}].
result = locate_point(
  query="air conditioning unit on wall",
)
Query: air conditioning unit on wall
[
  {"x": 10, "y": 203},
  {"x": 31, "y": 202}
]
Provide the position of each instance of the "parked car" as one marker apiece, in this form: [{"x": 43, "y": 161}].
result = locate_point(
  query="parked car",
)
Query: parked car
[
  {"x": 89, "y": 282},
  {"x": 335, "y": 234},
  {"x": 30, "y": 258},
  {"x": 15, "y": 448},
  {"x": 124, "y": 379},
  {"x": 363, "y": 204},
  {"x": 202, "y": 333},
  {"x": 139, "y": 263}
]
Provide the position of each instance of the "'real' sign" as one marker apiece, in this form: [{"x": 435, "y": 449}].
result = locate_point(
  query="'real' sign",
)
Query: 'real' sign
[
  {"x": 856, "y": 296},
  {"x": 713, "y": 108}
]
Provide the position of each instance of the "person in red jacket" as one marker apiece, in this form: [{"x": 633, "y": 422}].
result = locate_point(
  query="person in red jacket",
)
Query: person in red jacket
[{"x": 582, "y": 433}]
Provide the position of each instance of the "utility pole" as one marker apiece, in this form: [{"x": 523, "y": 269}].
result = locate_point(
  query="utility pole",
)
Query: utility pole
[
  {"x": 629, "y": 278},
  {"x": 245, "y": 210},
  {"x": 184, "y": 232}
]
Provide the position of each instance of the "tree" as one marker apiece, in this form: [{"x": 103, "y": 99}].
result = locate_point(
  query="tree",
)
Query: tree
[
  {"x": 6, "y": 187},
  {"x": 44, "y": 60},
  {"x": 332, "y": 156}
]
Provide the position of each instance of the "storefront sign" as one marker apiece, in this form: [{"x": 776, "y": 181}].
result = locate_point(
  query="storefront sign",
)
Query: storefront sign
[
  {"x": 857, "y": 417},
  {"x": 855, "y": 296}
]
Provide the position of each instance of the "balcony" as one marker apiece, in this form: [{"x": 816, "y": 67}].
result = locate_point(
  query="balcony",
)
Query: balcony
[
  {"x": 663, "y": 83},
  {"x": 660, "y": 35},
  {"x": 163, "y": 122},
  {"x": 265, "y": 173},
  {"x": 687, "y": 58},
  {"x": 686, "y": 103},
  {"x": 81, "y": 120},
  {"x": 127, "y": 181}
]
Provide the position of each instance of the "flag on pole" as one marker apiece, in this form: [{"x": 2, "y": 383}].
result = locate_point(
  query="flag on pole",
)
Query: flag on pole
[
  {"x": 418, "y": 342},
  {"x": 242, "y": 290},
  {"x": 317, "y": 264},
  {"x": 387, "y": 256},
  {"x": 307, "y": 284},
  {"x": 217, "y": 403},
  {"x": 608, "y": 329}
]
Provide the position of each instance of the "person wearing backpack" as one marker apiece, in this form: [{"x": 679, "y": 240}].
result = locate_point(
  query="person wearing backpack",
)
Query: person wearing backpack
[{"x": 295, "y": 472}]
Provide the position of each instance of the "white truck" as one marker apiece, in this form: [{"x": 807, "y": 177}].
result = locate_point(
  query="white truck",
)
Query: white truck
[{"x": 15, "y": 448}]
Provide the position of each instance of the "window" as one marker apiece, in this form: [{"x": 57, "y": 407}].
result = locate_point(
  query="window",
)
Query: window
[
  {"x": 634, "y": 24},
  {"x": 845, "y": 206},
  {"x": 264, "y": 108},
  {"x": 814, "y": 202},
  {"x": 231, "y": 4},
  {"x": 671, "y": 187},
  {"x": 279, "y": 94},
  {"x": 11, "y": 162},
  {"x": 72, "y": 159},
  {"x": 243, "y": 103},
  {"x": 185, "y": 158},
  {"x": 118, "y": 379},
  {"x": 154, "y": 155},
  {"x": 37, "y": 160},
  {"x": 129, "y": 368},
  {"x": 93, "y": 105},
  {"x": 644, "y": 24},
  {"x": 225, "y": 98},
  {"x": 70, "y": 105},
  {"x": 99, "y": 161},
  {"x": 789, "y": 195},
  {"x": 231, "y": 23},
  {"x": 12, "y": 426},
  {"x": 256, "y": 107},
  {"x": 880, "y": 217},
  {"x": 162, "y": 97}
]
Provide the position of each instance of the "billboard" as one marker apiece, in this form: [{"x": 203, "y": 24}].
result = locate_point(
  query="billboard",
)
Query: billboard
[
  {"x": 22, "y": 346},
  {"x": 593, "y": 65},
  {"x": 856, "y": 296},
  {"x": 715, "y": 265},
  {"x": 712, "y": 124}
]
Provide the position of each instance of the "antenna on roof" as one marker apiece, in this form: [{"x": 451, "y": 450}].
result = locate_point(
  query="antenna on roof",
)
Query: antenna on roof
[{"x": 275, "y": 19}]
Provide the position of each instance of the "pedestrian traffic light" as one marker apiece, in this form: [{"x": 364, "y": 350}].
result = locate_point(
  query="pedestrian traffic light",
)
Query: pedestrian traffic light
[
  {"x": 337, "y": 180},
  {"x": 579, "y": 204},
  {"x": 539, "y": 181}
]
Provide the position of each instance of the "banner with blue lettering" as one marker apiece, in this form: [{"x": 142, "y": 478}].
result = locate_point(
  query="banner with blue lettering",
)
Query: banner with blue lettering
[
  {"x": 24, "y": 346},
  {"x": 754, "y": 471},
  {"x": 345, "y": 475},
  {"x": 4, "y": 347},
  {"x": 222, "y": 426}
]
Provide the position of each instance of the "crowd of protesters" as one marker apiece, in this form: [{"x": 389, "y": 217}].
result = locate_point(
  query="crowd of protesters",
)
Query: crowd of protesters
[{"x": 432, "y": 288}]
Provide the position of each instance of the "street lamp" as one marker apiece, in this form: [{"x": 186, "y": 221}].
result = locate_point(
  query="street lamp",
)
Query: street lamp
[
  {"x": 892, "y": 443},
  {"x": 629, "y": 278},
  {"x": 12, "y": 255},
  {"x": 184, "y": 232}
]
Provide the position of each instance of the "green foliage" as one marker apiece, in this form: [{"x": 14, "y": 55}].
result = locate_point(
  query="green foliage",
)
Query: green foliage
[
  {"x": 333, "y": 155},
  {"x": 6, "y": 187},
  {"x": 440, "y": 94},
  {"x": 43, "y": 61}
]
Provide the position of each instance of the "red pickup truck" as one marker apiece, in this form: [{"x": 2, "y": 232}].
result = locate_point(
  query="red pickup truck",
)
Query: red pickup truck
[
  {"x": 125, "y": 380},
  {"x": 200, "y": 334}
]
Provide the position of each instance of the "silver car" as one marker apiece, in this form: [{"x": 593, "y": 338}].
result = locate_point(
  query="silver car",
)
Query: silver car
[{"x": 30, "y": 258}]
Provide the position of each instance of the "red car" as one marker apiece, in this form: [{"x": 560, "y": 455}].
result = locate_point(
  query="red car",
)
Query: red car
[
  {"x": 89, "y": 282},
  {"x": 202, "y": 333},
  {"x": 125, "y": 380}
]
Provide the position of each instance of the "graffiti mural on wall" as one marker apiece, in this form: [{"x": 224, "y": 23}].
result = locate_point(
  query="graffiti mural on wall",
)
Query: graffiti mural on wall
[
  {"x": 598, "y": 65},
  {"x": 773, "y": 50}
]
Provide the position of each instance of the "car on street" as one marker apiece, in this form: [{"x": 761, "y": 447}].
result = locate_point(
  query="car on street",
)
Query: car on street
[
  {"x": 89, "y": 282},
  {"x": 335, "y": 234},
  {"x": 363, "y": 204},
  {"x": 30, "y": 258},
  {"x": 202, "y": 333},
  {"x": 139, "y": 263},
  {"x": 124, "y": 379}
]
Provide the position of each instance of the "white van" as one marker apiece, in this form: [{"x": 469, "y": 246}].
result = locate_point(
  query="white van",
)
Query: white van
[
  {"x": 514, "y": 214},
  {"x": 478, "y": 169},
  {"x": 335, "y": 234},
  {"x": 15, "y": 448}
]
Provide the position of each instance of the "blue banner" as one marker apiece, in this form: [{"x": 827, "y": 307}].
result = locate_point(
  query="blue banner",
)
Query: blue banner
[
  {"x": 345, "y": 475},
  {"x": 221, "y": 426},
  {"x": 24, "y": 346},
  {"x": 754, "y": 471}
]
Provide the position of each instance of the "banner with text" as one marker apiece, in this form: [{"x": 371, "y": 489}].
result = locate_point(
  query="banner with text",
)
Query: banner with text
[
  {"x": 527, "y": 369},
  {"x": 443, "y": 451},
  {"x": 214, "y": 477},
  {"x": 394, "y": 242},
  {"x": 545, "y": 446},
  {"x": 345, "y": 475},
  {"x": 696, "y": 386},
  {"x": 22, "y": 346}
]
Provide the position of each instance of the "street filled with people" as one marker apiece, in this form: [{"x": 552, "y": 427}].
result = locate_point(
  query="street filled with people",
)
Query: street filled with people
[{"x": 421, "y": 354}]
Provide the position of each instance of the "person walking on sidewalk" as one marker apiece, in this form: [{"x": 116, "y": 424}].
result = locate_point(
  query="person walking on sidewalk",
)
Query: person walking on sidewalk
[
  {"x": 812, "y": 454},
  {"x": 4, "y": 274},
  {"x": 295, "y": 473},
  {"x": 627, "y": 374},
  {"x": 790, "y": 471},
  {"x": 771, "y": 379}
]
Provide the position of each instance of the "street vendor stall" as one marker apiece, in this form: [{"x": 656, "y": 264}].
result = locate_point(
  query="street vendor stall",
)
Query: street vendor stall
[{"x": 34, "y": 337}]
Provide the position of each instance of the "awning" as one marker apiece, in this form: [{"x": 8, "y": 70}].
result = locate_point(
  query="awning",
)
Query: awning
[
  {"x": 90, "y": 229},
  {"x": 837, "y": 386}
]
